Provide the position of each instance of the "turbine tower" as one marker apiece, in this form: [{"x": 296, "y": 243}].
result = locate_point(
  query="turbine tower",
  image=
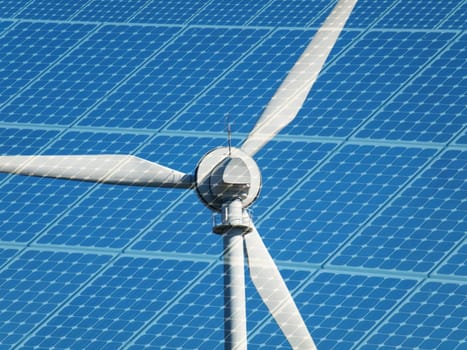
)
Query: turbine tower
[{"x": 227, "y": 180}]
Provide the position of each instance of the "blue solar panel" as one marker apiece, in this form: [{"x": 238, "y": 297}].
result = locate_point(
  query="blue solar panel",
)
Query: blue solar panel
[
  {"x": 169, "y": 11},
  {"x": 455, "y": 265},
  {"x": 368, "y": 12},
  {"x": 50, "y": 9},
  {"x": 34, "y": 286},
  {"x": 433, "y": 317},
  {"x": 431, "y": 107},
  {"x": 363, "y": 199},
  {"x": 6, "y": 254},
  {"x": 417, "y": 14},
  {"x": 105, "y": 11},
  {"x": 457, "y": 18},
  {"x": 365, "y": 78},
  {"x": 24, "y": 141},
  {"x": 167, "y": 84},
  {"x": 115, "y": 305},
  {"x": 283, "y": 13},
  {"x": 178, "y": 326},
  {"x": 228, "y": 12},
  {"x": 260, "y": 71},
  {"x": 321, "y": 213},
  {"x": 9, "y": 8},
  {"x": 462, "y": 139},
  {"x": 406, "y": 235},
  {"x": 28, "y": 50},
  {"x": 86, "y": 74},
  {"x": 341, "y": 309}
]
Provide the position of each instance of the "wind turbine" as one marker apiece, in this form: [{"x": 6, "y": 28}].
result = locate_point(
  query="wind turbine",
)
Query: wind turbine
[{"x": 227, "y": 180}]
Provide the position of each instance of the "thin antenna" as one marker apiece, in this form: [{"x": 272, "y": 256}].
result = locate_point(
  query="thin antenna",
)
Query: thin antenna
[{"x": 229, "y": 133}]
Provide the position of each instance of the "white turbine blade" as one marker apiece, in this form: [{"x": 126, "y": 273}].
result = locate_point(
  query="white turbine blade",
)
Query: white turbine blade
[
  {"x": 111, "y": 169},
  {"x": 275, "y": 294},
  {"x": 291, "y": 95}
]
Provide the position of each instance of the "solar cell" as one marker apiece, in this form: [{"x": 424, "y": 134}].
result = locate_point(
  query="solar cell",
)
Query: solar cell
[
  {"x": 169, "y": 11},
  {"x": 6, "y": 254},
  {"x": 455, "y": 265},
  {"x": 9, "y": 8},
  {"x": 367, "y": 12},
  {"x": 228, "y": 12},
  {"x": 24, "y": 141},
  {"x": 282, "y": 13},
  {"x": 457, "y": 17}
]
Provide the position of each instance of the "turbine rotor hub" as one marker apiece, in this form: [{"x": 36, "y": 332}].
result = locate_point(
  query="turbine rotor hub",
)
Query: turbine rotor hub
[{"x": 226, "y": 174}]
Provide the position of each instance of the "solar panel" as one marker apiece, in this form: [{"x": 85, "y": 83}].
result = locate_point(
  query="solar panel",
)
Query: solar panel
[
  {"x": 434, "y": 316},
  {"x": 159, "y": 92},
  {"x": 363, "y": 199},
  {"x": 36, "y": 283},
  {"x": 49, "y": 9}
]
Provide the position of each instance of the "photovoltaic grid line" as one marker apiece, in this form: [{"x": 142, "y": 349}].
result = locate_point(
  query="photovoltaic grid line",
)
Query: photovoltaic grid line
[
  {"x": 90, "y": 2},
  {"x": 187, "y": 22},
  {"x": 260, "y": 11},
  {"x": 10, "y": 26},
  {"x": 137, "y": 12}
]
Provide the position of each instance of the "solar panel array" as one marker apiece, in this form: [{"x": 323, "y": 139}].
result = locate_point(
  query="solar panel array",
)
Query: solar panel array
[{"x": 363, "y": 203}]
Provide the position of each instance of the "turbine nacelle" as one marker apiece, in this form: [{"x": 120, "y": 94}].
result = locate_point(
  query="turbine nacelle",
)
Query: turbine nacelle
[{"x": 226, "y": 174}]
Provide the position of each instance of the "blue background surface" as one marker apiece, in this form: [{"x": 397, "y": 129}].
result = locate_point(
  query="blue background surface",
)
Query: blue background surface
[{"x": 364, "y": 199}]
